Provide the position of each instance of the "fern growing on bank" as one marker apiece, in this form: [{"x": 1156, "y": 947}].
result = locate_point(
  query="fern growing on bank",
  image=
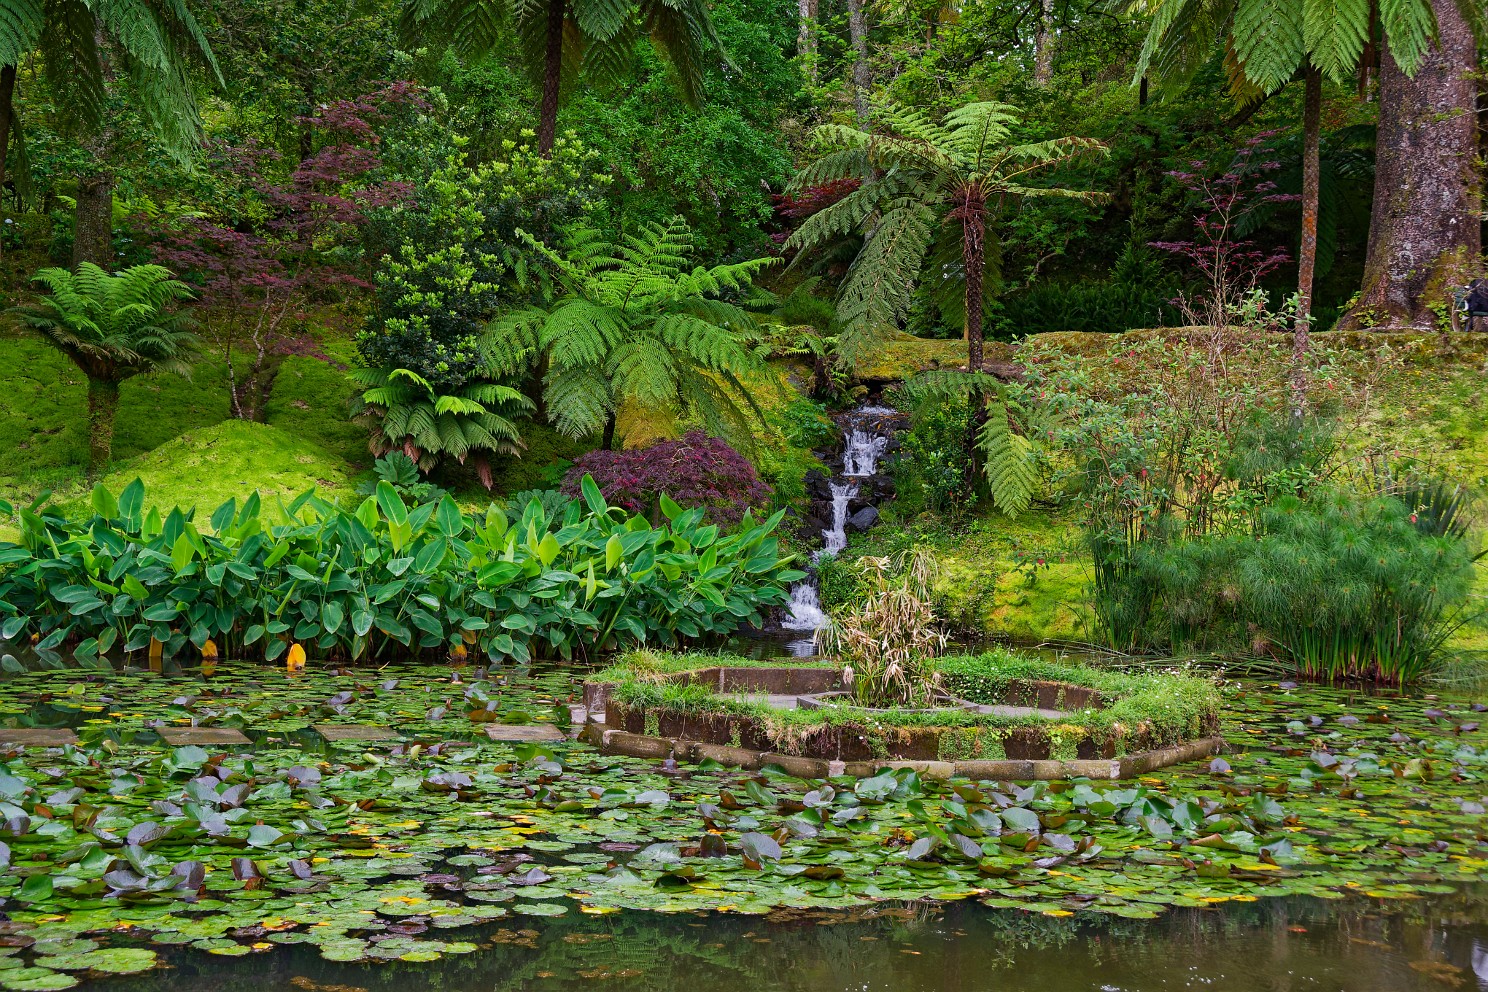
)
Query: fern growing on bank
[
  {"x": 406, "y": 414},
  {"x": 632, "y": 326}
]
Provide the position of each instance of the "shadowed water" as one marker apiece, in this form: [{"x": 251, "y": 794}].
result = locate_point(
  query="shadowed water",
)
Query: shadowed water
[{"x": 1284, "y": 945}]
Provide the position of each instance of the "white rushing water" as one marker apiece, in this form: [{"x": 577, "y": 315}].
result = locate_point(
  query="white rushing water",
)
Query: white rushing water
[
  {"x": 805, "y": 609},
  {"x": 862, "y": 448},
  {"x": 861, "y": 452},
  {"x": 834, "y": 538}
]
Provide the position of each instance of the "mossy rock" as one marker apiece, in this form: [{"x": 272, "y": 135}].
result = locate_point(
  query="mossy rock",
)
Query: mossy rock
[{"x": 204, "y": 468}]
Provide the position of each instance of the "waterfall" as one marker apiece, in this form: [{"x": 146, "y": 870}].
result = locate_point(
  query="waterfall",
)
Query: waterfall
[
  {"x": 865, "y": 439},
  {"x": 861, "y": 452},
  {"x": 805, "y": 609},
  {"x": 834, "y": 538}
]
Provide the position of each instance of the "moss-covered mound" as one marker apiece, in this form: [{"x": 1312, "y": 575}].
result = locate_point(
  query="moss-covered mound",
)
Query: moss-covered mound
[
  {"x": 204, "y": 468},
  {"x": 1088, "y": 714}
]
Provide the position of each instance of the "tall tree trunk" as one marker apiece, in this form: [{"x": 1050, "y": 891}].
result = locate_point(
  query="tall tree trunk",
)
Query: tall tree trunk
[
  {"x": 1312, "y": 125},
  {"x": 547, "y": 112},
  {"x": 1043, "y": 45},
  {"x": 93, "y": 221},
  {"x": 7, "y": 110},
  {"x": 974, "y": 258},
  {"x": 806, "y": 36},
  {"x": 103, "y": 404},
  {"x": 862, "y": 77},
  {"x": 1425, "y": 234}
]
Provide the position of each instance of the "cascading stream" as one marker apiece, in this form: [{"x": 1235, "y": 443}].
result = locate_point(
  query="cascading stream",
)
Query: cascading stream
[{"x": 865, "y": 440}]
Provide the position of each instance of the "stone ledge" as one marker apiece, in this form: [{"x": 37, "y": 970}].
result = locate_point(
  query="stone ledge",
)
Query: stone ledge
[{"x": 614, "y": 741}]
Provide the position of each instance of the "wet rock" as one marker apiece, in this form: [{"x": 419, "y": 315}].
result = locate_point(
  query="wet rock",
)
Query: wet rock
[{"x": 863, "y": 519}]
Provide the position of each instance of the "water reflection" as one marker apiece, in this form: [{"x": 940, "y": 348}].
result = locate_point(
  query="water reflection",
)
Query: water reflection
[{"x": 1281, "y": 945}]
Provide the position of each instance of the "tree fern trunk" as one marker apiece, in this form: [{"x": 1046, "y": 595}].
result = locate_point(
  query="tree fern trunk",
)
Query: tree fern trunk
[
  {"x": 547, "y": 114},
  {"x": 974, "y": 258},
  {"x": 862, "y": 77},
  {"x": 103, "y": 404},
  {"x": 1425, "y": 234},
  {"x": 607, "y": 440},
  {"x": 1312, "y": 123},
  {"x": 7, "y": 110}
]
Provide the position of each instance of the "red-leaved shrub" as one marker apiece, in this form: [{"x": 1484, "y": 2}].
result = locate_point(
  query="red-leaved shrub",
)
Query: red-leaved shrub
[{"x": 694, "y": 470}]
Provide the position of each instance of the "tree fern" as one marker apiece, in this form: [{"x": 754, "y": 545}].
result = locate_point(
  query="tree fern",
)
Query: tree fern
[
  {"x": 633, "y": 326},
  {"x": 113, "y": 326},
  {"x": 917, "y": 177},
  {"x": 407, "y": 415}
]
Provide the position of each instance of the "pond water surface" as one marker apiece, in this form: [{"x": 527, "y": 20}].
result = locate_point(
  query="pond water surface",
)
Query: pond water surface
[{"x": 1267, "y": 946}]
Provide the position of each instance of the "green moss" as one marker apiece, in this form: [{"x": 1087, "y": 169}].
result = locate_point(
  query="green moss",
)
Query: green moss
[
  {"x": 541, "y": 464},
  {"x": 43, "y": 430},
  {"x": 204, "y": 468},
  {"x": 311, "y": 399}
]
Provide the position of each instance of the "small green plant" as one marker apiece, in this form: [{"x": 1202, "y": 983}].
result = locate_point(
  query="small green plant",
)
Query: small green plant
[
  {"x": 402, "y": 473},
  {"x": 887, "y": 641}
]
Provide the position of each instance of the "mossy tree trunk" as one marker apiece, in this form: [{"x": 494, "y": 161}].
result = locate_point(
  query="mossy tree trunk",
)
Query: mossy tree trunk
[
  {"x": 93, "y": 221},
  {"x": 862, "y": 75},
  {"x": 972, "y": 213},
  {"x": 1425, "y": 235},
  {"x": 103, "y": 404}
]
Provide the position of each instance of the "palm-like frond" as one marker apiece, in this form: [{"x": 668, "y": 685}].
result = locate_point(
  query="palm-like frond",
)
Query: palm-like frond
[
  {"x": 634, "y": 328},
  {"x": 114, "y": 325},
  {"x": 407, "y": 414},
  {"x": 914, "y": 173}
]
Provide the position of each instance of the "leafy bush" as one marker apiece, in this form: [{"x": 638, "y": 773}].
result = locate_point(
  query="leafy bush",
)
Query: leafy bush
[
  {"x": 382, "y": 580},
  {"x": 695, "y": 470},
  {"x": 933, "y": 472},
  {"x": 1342, "y": 587}
]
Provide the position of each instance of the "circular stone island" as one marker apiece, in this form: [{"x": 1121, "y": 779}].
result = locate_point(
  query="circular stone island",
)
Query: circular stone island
[{"x": 999, "y": 716}]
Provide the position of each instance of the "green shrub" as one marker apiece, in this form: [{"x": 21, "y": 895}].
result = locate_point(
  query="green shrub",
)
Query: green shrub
[
  {"x": 1342, "y": 587},
  {"x": 383, "y": 579}
]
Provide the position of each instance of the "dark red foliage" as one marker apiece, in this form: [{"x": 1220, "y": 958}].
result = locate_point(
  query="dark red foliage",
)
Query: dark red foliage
[
  {"x": 281, "y": 239},
  {"x": 694, "y": 470},
  {"x": 1220, "y": 252},
  {"x": 813, "y": 198}
]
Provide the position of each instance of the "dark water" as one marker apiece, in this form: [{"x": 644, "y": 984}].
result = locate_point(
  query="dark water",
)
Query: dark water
[{"x": 1282, "y": 945}]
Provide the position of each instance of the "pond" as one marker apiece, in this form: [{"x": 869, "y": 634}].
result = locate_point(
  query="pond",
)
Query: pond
[
  {"x": 432, "y": 826},
  {"x": 1293, "y": 944}
]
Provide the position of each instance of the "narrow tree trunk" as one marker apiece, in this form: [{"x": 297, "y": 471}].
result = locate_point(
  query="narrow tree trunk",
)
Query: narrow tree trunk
[
  {"x": 806, "y": 36},
  {"x": 1312, "y": 125},
  {"x": 103, "y": 404},
  {"x": 862, "y": 77},
  {"x": 1142, "y": 93},
  {"x": 1425, "y": 234},
  {"x": 7, "y": 109},
  {"x": 93, "y": 221},
  {"x": 547, "y": 113},
  {"x": 1043, "y": 45},
  {"x": 607, "y": 439},
  {"x": 974, "y": 258}
]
